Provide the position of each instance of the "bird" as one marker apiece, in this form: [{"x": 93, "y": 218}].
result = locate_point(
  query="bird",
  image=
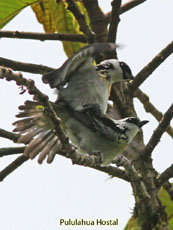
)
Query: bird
[
  {"x": 83, "y": 86},
  {"x": 90, "y": 135}
]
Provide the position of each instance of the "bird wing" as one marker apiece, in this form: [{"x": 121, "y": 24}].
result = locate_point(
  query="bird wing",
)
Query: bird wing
[
  {"x": 83, "y": 57},
  {"x": 108, "y": 128},
  {"x": 101, "y": 125}
]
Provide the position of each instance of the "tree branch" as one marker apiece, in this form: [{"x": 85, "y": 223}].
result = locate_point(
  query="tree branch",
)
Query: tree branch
[
  {"x": 144, "y": 206},
  {"x": 114, "y": 20},
  {"x": 150, "y": 67},
  {"x": 97, "y": 20},
  {"x": 126, "y": 7},
  {"x": 134, "y": 176},
  {"x": 25, "y": 67},
  {"x": 150, "y": 108},
  {"x": 165, "y": 176},
  {"x": 11, "y": 150},
  {"x": 9, "y": 135},
  {"x": 112, "y": 171},
  {"x": 81, "y": 20},
  {"x": 130, "y": 5},
  {"x": 155, "y": 138},
  {"x": 43, "y": 36},
  {"x": 11, "y": 167}
]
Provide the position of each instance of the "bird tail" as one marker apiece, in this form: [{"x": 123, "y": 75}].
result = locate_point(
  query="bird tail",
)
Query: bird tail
[{"x": 36, "y": 131}]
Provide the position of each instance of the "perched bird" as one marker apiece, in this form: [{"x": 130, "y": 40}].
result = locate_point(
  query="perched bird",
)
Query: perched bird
[
  {"x": 95, "y": 134},
  {"x": 81, "y": 85}
]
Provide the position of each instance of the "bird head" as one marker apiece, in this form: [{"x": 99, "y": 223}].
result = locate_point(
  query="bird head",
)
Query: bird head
[
  {"x": 132, "y": 126},
  {"x": 114, "y": 70}
]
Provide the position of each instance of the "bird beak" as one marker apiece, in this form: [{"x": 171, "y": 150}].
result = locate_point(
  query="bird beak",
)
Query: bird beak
[{"x": 141, "y": 123}]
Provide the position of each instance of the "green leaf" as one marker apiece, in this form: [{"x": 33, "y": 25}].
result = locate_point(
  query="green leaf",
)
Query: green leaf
[
  {"x": 65, "y": 23},
  {"x": 10, "y": 8},
  {"x": 41, "y": 10}
]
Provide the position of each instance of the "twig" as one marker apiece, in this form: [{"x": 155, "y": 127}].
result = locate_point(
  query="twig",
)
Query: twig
[
  {"x": 126, "y": 7},
  {"x": 97, "y": 20},
  {"x": 150, "y": 108},
  {"x": 150, "y": 67},
  {"x": 130, "y": 5},
  {"x": 155, "y": 138},
  {"x": 112, "y": 171},
  {"x": 43, "y": 36},
  {"x": 25, "y": 67},
  {"x": 11, "y": 167},
  {"x": 164, "y": 176},
  {"x": 114, "y": 20},
  {"x": 9, "y": 135},
  {"x": 11, "y": 151},
  {"x": 135, "y": 178},
  {"x": 81, "y": 20}
]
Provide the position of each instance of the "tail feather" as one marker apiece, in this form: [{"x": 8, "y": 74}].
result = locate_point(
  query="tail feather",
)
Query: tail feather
[
  {"x": 49, "y": 150},
  {"x": 29, "y": 134},
  {"x": 36, "y": 131},
  {"x": 37, "y": 144}
]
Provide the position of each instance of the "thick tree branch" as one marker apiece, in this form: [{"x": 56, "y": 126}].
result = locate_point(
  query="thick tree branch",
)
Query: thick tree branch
[
  {"x": 126, "y": 7},
  {"x": 114, "y": 20},
  {"x": 155, "y": 138},
  {"x": 97, "y": 20},
  {"x": 43, "y": 36},
  {"x": 81, "y": 20},
  {"x": 165, "y": 176},
  {"x": 11, "y": 150},
  {"x": 144, "y": 207},
  {"x": 150, "y": 67},
  {"x": 25, "y": 67},
  {"x": 11, "y": 167},
  {"x": 9, "y": 135},
  {"x": 150, "y": 108},
  {"x": 135, "y": 178}
]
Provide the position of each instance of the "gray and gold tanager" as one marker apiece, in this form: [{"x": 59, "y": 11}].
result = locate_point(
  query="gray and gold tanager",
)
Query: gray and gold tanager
[
  {"x": 82, "y": 85},
  {"x": 89, "y": 134}
]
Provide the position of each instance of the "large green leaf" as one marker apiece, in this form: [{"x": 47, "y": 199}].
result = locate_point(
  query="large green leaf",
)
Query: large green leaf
[
  {"x": 10, "y": 8},
  {"x": 65, "y": 23},
  {"x": 54, "y": 16},
  {"x": 42, "y": 12}
]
